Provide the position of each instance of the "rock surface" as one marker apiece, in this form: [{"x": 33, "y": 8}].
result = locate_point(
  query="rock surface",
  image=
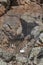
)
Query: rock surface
[{"x": 21, "y": 34}]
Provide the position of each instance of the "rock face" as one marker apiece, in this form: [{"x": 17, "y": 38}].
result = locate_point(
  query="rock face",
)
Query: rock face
[
  {"x": 41, "y": 37},
  {"x": 2, "y": 63},
  {"x": 21, "y": 33}
]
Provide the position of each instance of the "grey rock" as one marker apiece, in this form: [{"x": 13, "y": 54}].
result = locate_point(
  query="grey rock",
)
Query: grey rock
[
  {"x": 3, "y": 0},
  {"x": 41, "y": 37},
  {"x": 10, "y": 63},
  {"x": 33, "y": 55},
  {"x": 1, "y": 52},
  {"x": 1, "y": 36},
  {"x": 7, "y": 56},
  {"x": 2, "y": 62},
  {"x": 35, "y": 51},
  {"x": 35, "y": 31},
  {"x": 19, "y": 63},
  {"x": 12, "y": 26},
  {"x": 37, "y": 16},
  {"x": 28, "y": 23},
  {"x": 31, "y": 17},
  {"x": 40, "y": 55},
  {"x": 27, "y": 17},
  {"x": 41, "y": 62},
  {"x": 21, "y": 59}
]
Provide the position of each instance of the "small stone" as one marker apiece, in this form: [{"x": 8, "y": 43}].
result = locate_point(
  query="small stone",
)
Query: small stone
[{"x": 22, "y": 51}]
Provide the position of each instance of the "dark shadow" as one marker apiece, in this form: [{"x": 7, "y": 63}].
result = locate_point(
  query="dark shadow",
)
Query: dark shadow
[
  {"x": 41, "y": 1},
  {"x": 27, "y": 27},
  {"x": 13, "y": 3},
  {"x": 40, "y": 55}
]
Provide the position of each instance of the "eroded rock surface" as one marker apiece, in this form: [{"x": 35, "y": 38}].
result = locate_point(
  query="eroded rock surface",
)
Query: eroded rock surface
[{"x": 21, "y": 34}]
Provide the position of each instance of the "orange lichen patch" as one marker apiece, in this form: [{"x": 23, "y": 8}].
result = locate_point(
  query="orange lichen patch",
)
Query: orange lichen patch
[
  {"x": 1, "y": 21},
  {"x": 2, "y": 10},
  {"x": 31, "y": 7}
]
